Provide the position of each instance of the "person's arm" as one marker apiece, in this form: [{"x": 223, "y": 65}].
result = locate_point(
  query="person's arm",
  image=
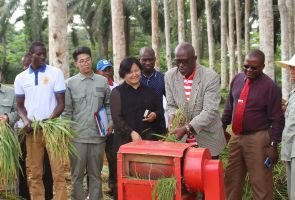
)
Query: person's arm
[
  {"x": 120, "y": 125},
  {"x": 171, "y": 103},
  {"x": 22, "y": 112},
  {"x": 107, "y": 106},
  {"x": 59, "y": 91},
  {"x": 211, "y": 102},
  {"x": 60, "y": 106},
  {"x": 12, "y": 116},
  {"x": 276, "y": 116},
  {"x": 158, "y": 108},
  {"x": 68, "y": 111}
]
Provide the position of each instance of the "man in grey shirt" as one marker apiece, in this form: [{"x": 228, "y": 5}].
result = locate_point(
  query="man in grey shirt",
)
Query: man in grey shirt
[{"x": 86, "y": 93}]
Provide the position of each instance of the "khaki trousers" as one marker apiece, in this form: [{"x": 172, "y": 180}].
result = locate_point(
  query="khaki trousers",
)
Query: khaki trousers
[
  {"x": 247, "y": 154},
  {"x": 35, "y": 156},
  {"x": 290, "y": 169}
]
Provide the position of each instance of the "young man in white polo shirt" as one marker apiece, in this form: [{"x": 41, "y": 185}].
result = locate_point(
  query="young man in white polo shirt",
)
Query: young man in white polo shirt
[{"x": 40, "y": 94}]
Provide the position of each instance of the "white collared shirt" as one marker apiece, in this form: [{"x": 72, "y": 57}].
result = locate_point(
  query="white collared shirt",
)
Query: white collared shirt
[{"x": 39, "y": 88}]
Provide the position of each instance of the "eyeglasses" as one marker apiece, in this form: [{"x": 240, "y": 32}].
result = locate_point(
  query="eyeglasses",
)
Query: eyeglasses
[
  {"x": 182, "y": 61},
  {"x": 83, "y": 62},
  {"x": 247, "y": 67}
]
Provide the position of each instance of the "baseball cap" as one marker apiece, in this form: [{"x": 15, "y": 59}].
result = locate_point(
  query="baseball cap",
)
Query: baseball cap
[{"x": 103, "y": 64}]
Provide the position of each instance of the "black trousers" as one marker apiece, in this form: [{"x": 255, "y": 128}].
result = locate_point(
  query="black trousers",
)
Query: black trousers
[{"x": 47, "y": 176}]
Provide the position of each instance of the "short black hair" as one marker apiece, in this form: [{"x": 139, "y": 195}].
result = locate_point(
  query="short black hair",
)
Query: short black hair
[
  {"x": 126, "y": 64},
  {"x": 36, "y": 44},
  {"x": 257, "y": 53},
  {"x": 81, "y": 50}
]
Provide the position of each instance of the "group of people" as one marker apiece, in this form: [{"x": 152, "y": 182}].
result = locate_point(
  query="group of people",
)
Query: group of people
[{"x": 134, "y": 111}]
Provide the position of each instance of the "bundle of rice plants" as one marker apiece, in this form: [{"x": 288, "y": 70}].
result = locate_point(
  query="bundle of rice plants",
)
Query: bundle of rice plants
[
  {"x": 164, "y": 189},
  {"x": 10, "y": 152},
  {"x": 179, "y": 119},
  {"x": 58, "y": 135}
]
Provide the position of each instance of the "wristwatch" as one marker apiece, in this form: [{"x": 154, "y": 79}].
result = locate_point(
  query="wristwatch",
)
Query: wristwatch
[
  {"x": 188, "y": 130},
  {"x": 273, "y": 144}
]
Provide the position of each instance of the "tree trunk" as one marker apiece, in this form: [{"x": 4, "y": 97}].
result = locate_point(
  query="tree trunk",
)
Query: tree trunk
[
  {"x": 3, "y": 67},
  {"x": 167, "y": 34},
  {"x": 194, "y": 27},
  {"x": 118, "y": 35},
  {"x": 266, "y": 35},
  {"x": 210, "y": 35},
  {"x": 105, "y": 46},
  {"x": 127, "y": 35},
  {"x": 291, "y": 16},
  {"x": 36, "y": 21},
  {"x": 239, "y": 34},
  {"x": 231, "y": 39},
  {"x": 58, "y": 42},
  {"x": 284, "y": 46},
  {"x": 224, "y": 81},
  {"x": 247, "y": 26},
  {"x": 180, "y": 14},
  {"x": 155, "y": 32}
]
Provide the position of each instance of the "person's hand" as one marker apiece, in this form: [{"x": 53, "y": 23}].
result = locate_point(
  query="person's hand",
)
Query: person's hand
[
  {"x": 272, "y": 153},
  {"x": 27, "y": 126},
  {"x": 135, "y": 136},
  {"x": 110, "y": 130},
  {"x": 227, "y": 136},
  {"x": 4, "y": 118},
  {"x": 179, "y": 132},
  {"x": 151, "y": 117}
]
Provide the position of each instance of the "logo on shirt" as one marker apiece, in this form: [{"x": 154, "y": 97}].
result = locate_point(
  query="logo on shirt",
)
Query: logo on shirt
[{"x": 45, "y": 81}]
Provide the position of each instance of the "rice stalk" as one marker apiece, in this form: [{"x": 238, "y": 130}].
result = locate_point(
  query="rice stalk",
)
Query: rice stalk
[
  {"x": 10, "y": 152},
  {"x": 58, "y": 135},
  {"x": 164, "y": 189}
]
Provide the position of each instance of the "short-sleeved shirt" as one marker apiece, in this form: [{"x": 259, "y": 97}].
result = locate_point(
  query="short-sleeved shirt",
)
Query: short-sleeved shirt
[{"x": 39, "y": 88}]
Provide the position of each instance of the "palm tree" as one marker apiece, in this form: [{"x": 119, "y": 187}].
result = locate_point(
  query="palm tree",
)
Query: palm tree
[
  {"x": 180, "y": 14},
  {"x": 266, "y": 34},
  {"x": 167, "y": 34},
  {"x": 194, "y": 26},
  {"x": 284, "y": 15},
  {"x": 238, "y": 34},
  {"x": 118, "y": 36},
  {"x": 223, "y": 9},
  {"x": 231, "y": 39},
  {"x": 210, "y": 35},
  {"x": 6, "y": 11},
  {"x": 247, "y": 27},
  {"x": 155, "y": 32}
]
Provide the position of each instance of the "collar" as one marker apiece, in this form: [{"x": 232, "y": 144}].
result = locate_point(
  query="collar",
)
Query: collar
[
  {"x": 83, "y": 77},
  {"x": 191, "y": 77},
  {"x": 42, "y": 69},
  {"x": 126, "y": 85},
  {"x": 154, "y": 74}
]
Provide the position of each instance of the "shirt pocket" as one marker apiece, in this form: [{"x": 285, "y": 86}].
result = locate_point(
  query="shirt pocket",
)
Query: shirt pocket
[{"x": 98, "y": 98}]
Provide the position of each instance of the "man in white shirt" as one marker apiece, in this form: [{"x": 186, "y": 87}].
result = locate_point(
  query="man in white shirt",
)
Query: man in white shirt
[{"x": 40, "y": 95}]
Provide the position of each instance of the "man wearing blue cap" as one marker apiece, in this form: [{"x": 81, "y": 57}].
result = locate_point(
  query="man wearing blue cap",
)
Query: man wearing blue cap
[{"x": 105, "y": 68}]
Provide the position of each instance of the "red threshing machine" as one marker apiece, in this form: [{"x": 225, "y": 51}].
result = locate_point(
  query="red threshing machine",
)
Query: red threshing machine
[{"x": 142, "y": 163}]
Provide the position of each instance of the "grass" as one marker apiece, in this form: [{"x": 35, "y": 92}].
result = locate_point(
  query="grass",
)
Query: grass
[{"x": 9, "y": 156}]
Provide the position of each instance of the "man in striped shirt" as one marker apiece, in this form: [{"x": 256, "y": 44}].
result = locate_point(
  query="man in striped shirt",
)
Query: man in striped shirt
[{"x": 196, "y": 90}]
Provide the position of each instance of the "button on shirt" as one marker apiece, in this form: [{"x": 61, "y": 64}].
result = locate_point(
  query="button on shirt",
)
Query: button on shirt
[
  {"x": 39, "y": 88},
  {"x": 84, "y": 96},
  {"x": 7, "y": 103},
  {"x": 263, "y": 108}
]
